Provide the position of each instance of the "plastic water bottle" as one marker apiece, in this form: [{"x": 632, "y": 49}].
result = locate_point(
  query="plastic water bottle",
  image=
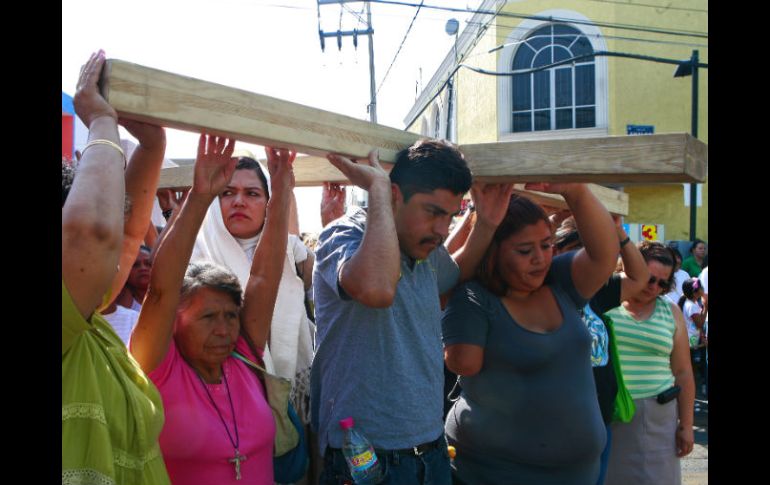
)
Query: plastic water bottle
[{"x": 360, "y": 455}]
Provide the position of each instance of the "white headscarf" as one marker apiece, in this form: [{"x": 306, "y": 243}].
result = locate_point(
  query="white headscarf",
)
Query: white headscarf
[{"x": 290, "y": 345}]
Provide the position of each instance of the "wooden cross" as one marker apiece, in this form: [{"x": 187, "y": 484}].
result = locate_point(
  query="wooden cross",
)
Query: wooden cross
[
  {"x": 236, "y": 461},
  {"x": 150, "y": 95}
]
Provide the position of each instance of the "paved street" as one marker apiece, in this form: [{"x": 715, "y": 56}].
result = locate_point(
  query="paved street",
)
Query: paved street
[{"x": 695, "y": 465}]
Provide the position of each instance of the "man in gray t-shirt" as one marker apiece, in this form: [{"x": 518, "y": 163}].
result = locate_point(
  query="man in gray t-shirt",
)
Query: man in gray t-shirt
[{"x": 376, "y": 283}]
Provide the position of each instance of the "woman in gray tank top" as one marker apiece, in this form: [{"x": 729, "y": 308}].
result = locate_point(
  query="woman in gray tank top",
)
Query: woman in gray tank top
[{"x": 528, "y": 412}]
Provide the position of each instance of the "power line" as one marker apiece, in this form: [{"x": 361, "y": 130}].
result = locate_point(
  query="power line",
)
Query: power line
[
  {"x": 399, "y": 47},
  {"x": 599, "y": 36},
  {"x": 548, "y": 66},
  {"x": 664, "y": 7},
  {"x": 684, "y": 33}
]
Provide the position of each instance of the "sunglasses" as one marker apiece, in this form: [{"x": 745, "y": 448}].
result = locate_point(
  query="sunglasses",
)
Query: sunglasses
[{"x": 664, "y": 284}]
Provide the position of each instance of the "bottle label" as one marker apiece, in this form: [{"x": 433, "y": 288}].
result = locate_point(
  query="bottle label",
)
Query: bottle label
[{"x": 363, "y": 461}]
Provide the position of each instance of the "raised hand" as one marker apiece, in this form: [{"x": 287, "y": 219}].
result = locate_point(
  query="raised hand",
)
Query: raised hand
[
  {"x": 149, "y": 136},
  {"x": 88, "y": 101},
  {"x": 280, "y": 165},
  {"x": 214, "y": 165},
  {"x": 491, "y": 201},
  {"x": 332, "y": 202},
  {"x": 169, "y": 199},
  {"x": 359, "y": 174},
  {"x": 554, "y": 188}
]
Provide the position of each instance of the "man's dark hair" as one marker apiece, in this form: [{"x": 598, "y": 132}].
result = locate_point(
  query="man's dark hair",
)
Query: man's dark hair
[{"x": 428, "y": 165}]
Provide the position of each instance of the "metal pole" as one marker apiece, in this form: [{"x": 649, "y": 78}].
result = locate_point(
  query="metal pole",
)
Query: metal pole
[
  {"x": 373, "y": 103},
  {"x": 694, "y": 187}
]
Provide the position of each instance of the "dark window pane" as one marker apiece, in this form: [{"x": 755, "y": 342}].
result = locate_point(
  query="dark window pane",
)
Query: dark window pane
[
  {"x": 543, "y": 58},
  {"x": 560, "y": 54},
  {"x": 542, "y": 89},
  {"x": 523, "y": 58},
  {"x": 522, "y": 122},
  {"x": 522, "y": 92},
  {"x": 564, "y": 35},
  {"x": 563, "y": 119},
  {"x": 542, "y": 120},
  {"x": 585, "y": 117},
  {"x": 585, "y": 87},
  {"x": 581, "y": 47},
  {"x": 540, "y": 38},
  {"x": 563, "y": 87}
]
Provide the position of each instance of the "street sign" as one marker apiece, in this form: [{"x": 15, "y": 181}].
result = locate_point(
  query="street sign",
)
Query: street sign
[{"x": 640, "y": 129}]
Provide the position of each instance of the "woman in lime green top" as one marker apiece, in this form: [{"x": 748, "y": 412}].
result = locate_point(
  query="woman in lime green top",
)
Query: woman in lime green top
[
  {"x": 111, "y": 413},
  {"x": 654, "y": 354}
]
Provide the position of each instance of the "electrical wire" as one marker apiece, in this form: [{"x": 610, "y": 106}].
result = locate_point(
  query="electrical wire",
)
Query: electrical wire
[
  {"x": 409, "y": 29},
  {"x": 548, "y": 66},
  {"x": 664, "y": 7},
  {"x": 684, "y": 33}
]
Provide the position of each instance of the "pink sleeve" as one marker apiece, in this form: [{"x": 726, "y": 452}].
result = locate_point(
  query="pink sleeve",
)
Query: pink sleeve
[{"x": 169, "y": 362}]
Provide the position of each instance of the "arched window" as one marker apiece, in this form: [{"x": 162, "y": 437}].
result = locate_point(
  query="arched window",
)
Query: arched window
[{"x": 558, "y": 98}]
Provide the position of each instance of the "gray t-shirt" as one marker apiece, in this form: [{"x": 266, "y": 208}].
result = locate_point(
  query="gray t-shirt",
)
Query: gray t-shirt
[
  {"x": 382, "y": 366},
  {"x": 531, "y": 414}
]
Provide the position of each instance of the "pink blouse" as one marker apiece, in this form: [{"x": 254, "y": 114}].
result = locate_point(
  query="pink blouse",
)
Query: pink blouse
[{"x": 194, "y": 442}]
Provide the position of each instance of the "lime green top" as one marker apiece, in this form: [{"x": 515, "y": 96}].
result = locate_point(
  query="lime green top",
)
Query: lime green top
[
  {"x": 111, "y": 414},
  {"x": 645, "y": 349}
]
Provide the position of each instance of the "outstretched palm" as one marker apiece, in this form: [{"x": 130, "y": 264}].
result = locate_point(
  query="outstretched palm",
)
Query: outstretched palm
[{"x": 214, "y": 165}]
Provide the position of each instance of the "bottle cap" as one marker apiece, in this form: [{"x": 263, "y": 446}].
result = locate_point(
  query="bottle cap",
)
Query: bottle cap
[{"x": 346, "y": 423}]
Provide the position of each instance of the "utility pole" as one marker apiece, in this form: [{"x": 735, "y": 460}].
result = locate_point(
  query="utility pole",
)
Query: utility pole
[
  {"x": 339, "y": 34},
  {"x": 373, "y": 100}
]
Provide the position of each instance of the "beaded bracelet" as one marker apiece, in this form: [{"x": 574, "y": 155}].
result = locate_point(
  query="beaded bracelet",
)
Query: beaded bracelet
[{"x": 108, "y": 143}]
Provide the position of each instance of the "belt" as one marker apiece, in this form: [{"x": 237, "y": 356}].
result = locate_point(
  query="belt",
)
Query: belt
[{"x": 416, "y": 450}]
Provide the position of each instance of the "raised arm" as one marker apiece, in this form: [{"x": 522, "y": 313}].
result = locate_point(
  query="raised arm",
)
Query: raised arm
[
  {"x": 92, "y": 217},
  {"x": 371, "y": 275},
  {"x": 491, "y": 203},
  {"x": 332, "y": 202},
  {"x": 635, "y": 271},
  {"x": 152, "y": 335},
  {"x": 683, "y": 377},
  {"x": 142, "y": 175},
  {"x": 595, "y": 262},
  {"x": 267, "y": 265}
]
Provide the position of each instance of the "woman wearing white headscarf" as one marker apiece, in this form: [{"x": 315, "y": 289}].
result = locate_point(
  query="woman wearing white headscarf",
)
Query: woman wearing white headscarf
[{"x": 228, "y": 236}]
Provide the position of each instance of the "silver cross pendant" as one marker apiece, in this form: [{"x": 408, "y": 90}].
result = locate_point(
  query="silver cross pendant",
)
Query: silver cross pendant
[{"x": 236, "y": 461}]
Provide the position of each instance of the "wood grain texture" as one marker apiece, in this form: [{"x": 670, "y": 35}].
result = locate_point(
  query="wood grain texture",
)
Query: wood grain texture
[
  {"x": 666, "y": 158},
  {"x": 152, "y": 95}
]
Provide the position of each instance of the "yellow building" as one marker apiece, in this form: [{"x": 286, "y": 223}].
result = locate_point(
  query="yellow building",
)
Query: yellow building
[{"x": 599, "y": 95}]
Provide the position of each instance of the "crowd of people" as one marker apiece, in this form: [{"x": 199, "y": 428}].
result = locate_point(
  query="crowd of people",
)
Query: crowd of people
[{"x": 572, "y": 348}]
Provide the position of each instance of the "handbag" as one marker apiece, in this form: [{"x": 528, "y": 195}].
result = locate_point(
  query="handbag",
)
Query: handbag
[
  {"x": 290, "y": 458},
  {"x": 624, "y": 403}
]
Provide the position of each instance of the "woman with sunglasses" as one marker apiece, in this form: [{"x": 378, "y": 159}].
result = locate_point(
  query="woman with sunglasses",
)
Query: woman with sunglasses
[{"x": 654, "y": 356}]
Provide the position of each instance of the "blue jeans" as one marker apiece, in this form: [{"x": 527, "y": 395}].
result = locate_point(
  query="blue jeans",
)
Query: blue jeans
[{"x": 430, "y": 468}]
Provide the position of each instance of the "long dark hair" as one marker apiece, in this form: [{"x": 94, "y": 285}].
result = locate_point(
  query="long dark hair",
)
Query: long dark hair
[
  {"x": 689, "y": 289},
  {"x": 521, "y": 212}
]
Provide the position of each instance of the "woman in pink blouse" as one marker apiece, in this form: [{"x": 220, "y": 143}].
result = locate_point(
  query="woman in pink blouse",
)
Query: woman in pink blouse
[{"x": 219, "y": 428}]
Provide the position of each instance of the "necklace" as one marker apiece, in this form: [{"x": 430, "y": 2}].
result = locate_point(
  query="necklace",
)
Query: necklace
[{"x": 238, "y": 458}]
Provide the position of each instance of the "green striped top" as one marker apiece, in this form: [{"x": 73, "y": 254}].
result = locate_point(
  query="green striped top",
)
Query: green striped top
[{"x": 645, "y": 348}]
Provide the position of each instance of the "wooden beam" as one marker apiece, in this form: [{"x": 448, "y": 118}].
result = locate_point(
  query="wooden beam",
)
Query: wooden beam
[
  {"x": 615, "y": 201},
  {"x": 309, "y": 170},
  {"x": 151, "y": 95},
  {"x": 674, "y": 157}
]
